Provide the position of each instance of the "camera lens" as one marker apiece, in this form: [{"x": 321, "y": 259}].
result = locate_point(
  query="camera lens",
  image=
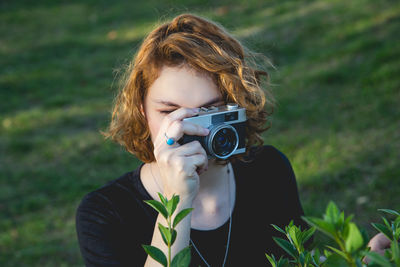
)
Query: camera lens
[{"x": 224, "y": 141}]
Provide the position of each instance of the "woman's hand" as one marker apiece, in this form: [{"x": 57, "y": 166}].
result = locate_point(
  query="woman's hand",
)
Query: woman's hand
[
  {"x": 180, "y": 166},
  {"x": 378, "y": 244}
]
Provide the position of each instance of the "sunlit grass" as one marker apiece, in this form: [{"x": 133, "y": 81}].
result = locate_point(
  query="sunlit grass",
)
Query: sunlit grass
[{"x": 337, "y": 119}]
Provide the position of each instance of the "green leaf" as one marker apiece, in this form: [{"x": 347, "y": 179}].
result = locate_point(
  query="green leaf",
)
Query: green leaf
[
  {"x": 354, "y": 240},
  {"x": 359, "y": 263},
  {"x": 156, "y": 254},
  {"x": 165, "y": 233},
  {"x": 173, "y": 236},
  {"x": 182, "y": 258},
  {"x": 163, "y": 199},
  {"x": 387, "y": 254},
  {"x": 378, "y": 259},
  {"x": 302, "y": 259},
  {"x": 172, "y": 203},
  {"x": 316, "y": 257},
  {"x": 348, "y": 219},
  {"x": 308, "y": 258},
  {"x": 288, "y": 247},
  {"x": 158, "y": 206},
  {"x": 365, "y": 237},
  {"x": 395, "y": 250},
  {"x": 182, "y": 214},
  {"x": 397, "y": 221},
  {"x": 293, "y": 236},
  {"x": 337, "y": 251},
  {"x": 383, "y": 229},
  {"x": 327, "y": 253},
  {"x": 278, "y": 229},
  {"x": 176, "y": 201},
  {"x": 341, "y": 219},
  {"x": 307, "y": 234},
  {"x": 386, "y": 222},
  {"x": 393, "y": 212},
  {"x": 334, "y": 260},
  {"x": 326, "y": 227},
  {"x": 283, "y": 262},
  {"x": 332, "y": 213},
  {"x": 271, "y": 260}
]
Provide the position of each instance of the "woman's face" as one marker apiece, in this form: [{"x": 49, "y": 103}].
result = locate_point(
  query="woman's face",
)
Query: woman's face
[{"x": 178, "y": 87}]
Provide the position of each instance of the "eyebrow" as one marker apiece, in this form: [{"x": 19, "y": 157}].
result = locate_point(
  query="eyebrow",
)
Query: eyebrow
[{"x": 171, "y": 104}]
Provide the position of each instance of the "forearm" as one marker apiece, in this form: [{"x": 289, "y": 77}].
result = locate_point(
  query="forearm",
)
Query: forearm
[{"x": 183, "y": 234}]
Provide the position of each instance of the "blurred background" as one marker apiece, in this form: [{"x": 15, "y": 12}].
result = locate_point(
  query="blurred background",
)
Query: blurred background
[{"x": 337, "y": 84}]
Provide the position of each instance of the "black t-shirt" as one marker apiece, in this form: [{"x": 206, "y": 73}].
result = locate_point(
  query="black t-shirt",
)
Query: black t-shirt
[{"x": 113, "y": 222}]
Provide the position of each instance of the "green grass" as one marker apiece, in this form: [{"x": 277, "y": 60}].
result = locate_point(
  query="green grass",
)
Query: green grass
[{"x": 337, "y": 85}]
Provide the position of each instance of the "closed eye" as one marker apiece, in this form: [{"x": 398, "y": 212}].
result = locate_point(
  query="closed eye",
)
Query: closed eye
[
  {"x": 220, "y": 103},
  {"x": 166, "y": 111}
]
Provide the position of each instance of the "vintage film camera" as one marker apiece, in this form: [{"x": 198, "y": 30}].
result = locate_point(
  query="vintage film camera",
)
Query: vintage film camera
[{"x": 227, "y": 125}]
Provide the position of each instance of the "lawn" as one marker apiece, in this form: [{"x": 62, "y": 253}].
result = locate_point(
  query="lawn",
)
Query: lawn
[{"x": 336, "y": 81}]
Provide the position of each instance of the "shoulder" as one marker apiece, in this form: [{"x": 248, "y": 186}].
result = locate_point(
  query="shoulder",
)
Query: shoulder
[
  {"x": 114, "y": 199},
  {"x": 267, "y": 165},
  {"x": 111, "y": 223},
  {"x": 267, "y": 153},
  {"x": 101, "y": 200}
]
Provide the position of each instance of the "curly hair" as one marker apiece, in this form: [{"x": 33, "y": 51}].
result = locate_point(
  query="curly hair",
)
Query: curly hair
[{"x": 206, "y": 47}]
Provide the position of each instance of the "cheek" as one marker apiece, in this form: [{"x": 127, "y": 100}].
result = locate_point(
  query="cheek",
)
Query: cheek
[{"x": 154, "y": 122}]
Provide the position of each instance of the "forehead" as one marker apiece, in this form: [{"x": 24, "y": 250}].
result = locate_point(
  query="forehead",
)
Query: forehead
[{"x": 183, "y": 86}]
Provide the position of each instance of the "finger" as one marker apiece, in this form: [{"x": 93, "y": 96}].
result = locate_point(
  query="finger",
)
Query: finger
[
  {"x": 379, "y": 241},
  {"x": 382, "y": 241},
  {"x": 177, "y": 115},
  {"x": 191, "y": 149},
  {"x": 195, "y": 163},
  {"x": 178, "y": 128},
  {"x": 182, "y": 113}
]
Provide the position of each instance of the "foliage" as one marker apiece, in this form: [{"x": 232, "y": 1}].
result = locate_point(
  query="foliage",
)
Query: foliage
[
  {"x": 167, "y": 208},
  {"x": 294, "y": 247},
  {"x": 336, "y": 81},
  {"x": 351, "y": 242}
]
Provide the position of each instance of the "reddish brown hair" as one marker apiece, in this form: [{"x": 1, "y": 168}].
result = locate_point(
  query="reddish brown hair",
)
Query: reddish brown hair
[{"x": 206, "y": 47}]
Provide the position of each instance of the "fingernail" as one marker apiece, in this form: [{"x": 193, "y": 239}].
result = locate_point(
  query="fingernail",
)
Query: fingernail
[
  {"x": 206, "y": 131},
  {"x": 195, "y": 109}
]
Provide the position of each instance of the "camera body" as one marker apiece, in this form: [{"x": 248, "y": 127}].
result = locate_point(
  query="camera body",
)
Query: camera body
[{"x": 227, "y": 125}]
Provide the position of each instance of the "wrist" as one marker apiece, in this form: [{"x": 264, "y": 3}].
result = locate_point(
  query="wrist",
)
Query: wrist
[
  {"x": 185, "y": 203},
  {"x": 182, "y": 198}
]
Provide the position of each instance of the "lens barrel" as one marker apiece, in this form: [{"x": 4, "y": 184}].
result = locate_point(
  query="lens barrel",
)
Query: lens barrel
[{"x": 222, "y": 141}]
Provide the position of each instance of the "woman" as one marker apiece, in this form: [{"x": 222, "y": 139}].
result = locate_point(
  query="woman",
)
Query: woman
[{"x": 181, "y": 66}]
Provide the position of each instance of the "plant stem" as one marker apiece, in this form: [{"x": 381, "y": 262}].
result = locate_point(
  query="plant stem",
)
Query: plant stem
[
  {"x": 169, "y": 243},
  {"x": 349, "y": 259}
]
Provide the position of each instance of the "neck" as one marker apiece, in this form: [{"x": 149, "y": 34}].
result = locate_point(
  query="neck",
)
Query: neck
[{"x": 214, "y": 178}]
